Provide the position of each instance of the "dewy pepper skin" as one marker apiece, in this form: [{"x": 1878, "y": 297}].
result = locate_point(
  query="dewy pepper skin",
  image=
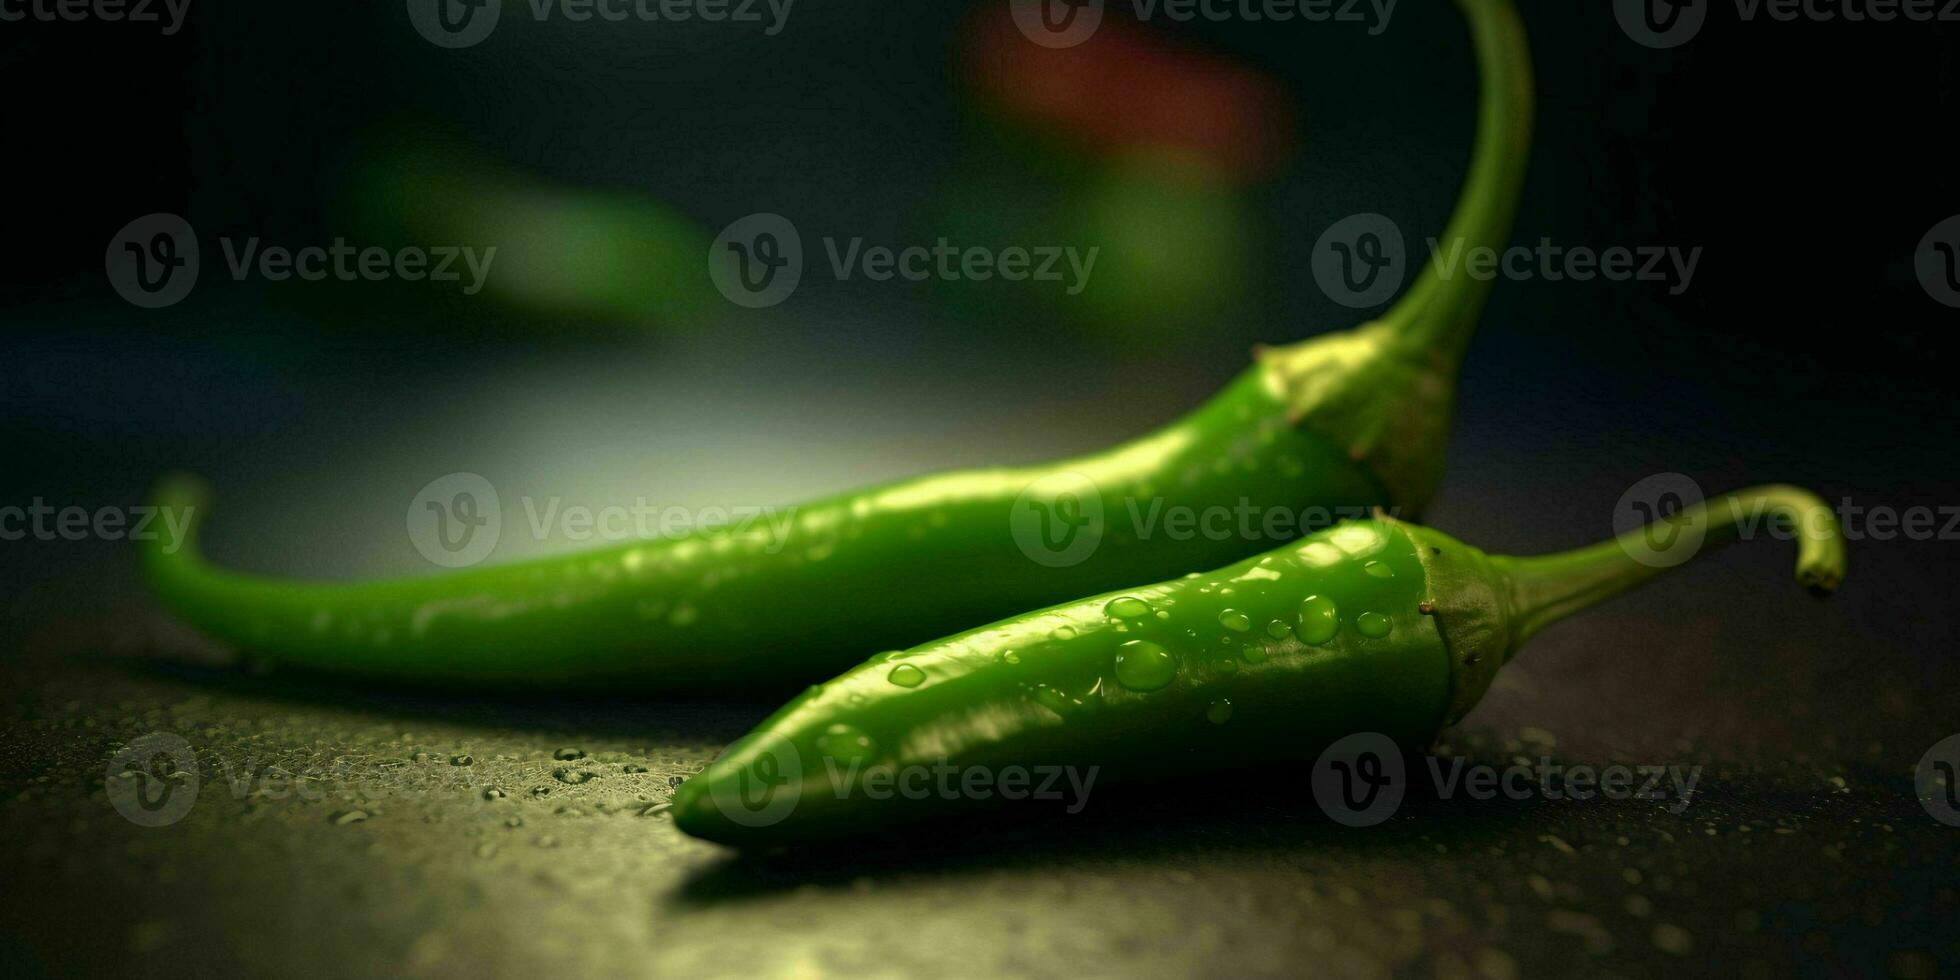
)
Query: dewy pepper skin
[
  {"x": 1371, "y": 626},
  {"x": 1348, "y": 421}
]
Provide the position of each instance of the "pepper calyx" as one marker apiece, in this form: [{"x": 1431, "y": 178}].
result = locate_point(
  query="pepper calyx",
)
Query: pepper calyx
[
  {"x": 1463, "y": 595},
  {"x": 1364, "y": 390}
]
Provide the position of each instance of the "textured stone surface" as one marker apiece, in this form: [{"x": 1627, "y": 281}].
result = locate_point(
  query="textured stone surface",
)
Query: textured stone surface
[{"x": 337, "y": 833}]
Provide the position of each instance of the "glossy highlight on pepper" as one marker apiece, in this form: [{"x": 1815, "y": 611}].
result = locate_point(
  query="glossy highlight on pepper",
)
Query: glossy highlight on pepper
[
  {"x": 1381, "y": 626},
  {"x": 1346, "y": 421}
]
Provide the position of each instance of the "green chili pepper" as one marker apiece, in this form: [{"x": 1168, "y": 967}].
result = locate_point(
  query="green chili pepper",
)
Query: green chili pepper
[
  {"x": 1372, "y": 626},
  {"x": 1351, "y": 420}
]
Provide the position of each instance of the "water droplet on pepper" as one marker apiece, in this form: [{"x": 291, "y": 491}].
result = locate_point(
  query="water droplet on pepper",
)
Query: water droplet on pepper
[{"x": 1144, "y": 666}]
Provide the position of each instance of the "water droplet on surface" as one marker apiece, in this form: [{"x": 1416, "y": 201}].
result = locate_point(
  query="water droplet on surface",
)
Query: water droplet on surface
[
  {"x": 1372, "y": 624},
  {"x": 493, "y": 793},
  {"x": 1219, "y": 712},
  {"x": 1062, "y": 633},
  {"x": 462, "y": 760},
  {"x": 1225, "y": 665},
  {"x": 846, "y": 744},
  {"x": 1234, "y": 620},
  {"x": 1320, "y": 619},
  {"x": 1009, "y": 657},
  {"x": 1278, "y": 630},
  {"x": 1378, "y": 569},
  {"x": 630, "y": 767},
  {"x": 1254, "y": 654},
  {"x": 342, "y": 818},
  {"x": 1126, "y": 607},
  {"x": 1144, "y": 666},
  {"x": 567, "y": 754},
  {"x": 906, "y": 675},
  {"x": 540, "y": 791},
  {"x": 573, "y": 776}
]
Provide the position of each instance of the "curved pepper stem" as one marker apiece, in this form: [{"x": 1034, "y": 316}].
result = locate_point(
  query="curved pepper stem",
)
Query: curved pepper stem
[
  {"x": 1439, "y": 311},
  {"x": 1383, "y": 393},
  {"x": 1543, "y": 590}
]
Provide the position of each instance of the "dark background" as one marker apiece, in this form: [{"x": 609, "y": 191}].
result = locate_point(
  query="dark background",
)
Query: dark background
[{"x": 1806, "y": 159}]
